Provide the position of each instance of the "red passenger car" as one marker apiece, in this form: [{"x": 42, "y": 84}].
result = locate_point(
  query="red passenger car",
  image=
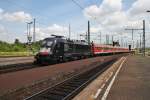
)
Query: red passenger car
[{"x": 107, "y": 49}]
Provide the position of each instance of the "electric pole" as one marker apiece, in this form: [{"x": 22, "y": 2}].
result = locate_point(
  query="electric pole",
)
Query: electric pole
[
  {"x": 89, "y": 32},
  {"x": 34, "y": 34},
  {"x": 126, "y": 44},
  {"x": 27, "y": 33},
  {"x": 143, "y": 37},
  {"x": 100, "y": 37},
  {"x": 140, "y": 43},
  {"x": 69, "y": 32},
  {"x": 137, "y": 45},
  {"x": 132, "y": 30},
  {"x": 86, "y": 36},
  {"x": 112, "y": 39},
  {"x": 106, "y": 38},
  {"x": 121, "y": 41}
]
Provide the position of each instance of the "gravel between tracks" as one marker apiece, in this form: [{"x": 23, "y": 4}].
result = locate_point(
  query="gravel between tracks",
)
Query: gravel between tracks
[{"x": 26, "y": 82}]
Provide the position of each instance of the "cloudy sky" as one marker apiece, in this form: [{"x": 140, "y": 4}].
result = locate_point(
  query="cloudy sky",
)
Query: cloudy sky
[{"x": 109, "y": 17}]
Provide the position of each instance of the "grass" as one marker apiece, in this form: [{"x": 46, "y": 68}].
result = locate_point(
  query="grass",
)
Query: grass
[{"x": 15, "y": 54}]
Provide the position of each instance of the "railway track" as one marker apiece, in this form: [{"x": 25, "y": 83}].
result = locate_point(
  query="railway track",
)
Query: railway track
[
  {"x": 69, "y": 88},
  {"x": 16, "y": 67},
  {"x": 11, "y": 64},
  {"x": 20, "y": 66}
]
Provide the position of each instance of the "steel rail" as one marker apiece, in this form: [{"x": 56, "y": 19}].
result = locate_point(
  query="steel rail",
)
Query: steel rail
[
  {"x": 16, "y": 67},
  {"x": 69, "y": 88}
]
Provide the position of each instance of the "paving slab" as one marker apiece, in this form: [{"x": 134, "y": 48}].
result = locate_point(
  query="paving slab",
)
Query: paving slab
[{"x": 133, "y": 80}]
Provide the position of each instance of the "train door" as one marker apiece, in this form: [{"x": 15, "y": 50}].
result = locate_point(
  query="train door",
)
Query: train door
[{"x": 59, "y": 49}]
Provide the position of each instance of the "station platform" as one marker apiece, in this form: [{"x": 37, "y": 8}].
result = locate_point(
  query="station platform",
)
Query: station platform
[
  {"x": 127, "y": 79},
  {"x": 132, "y": 81}
]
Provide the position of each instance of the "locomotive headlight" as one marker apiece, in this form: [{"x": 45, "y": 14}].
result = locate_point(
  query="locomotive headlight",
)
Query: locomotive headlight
[
  {"x": 43, "y": 49},
  {"x": 49, "y": 49},
  {"x": 46, "y": 50}
]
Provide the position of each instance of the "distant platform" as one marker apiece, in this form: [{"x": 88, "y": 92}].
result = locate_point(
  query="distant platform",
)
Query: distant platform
[{"x": 133, "y": 80}]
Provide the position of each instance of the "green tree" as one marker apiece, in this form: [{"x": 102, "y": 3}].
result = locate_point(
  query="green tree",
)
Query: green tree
[{"x": 17, "y": 41}]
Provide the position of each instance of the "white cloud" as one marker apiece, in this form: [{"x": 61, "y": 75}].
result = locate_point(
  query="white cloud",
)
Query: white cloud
[
  {"x": 139, "y": 7},
  {"x": 105, "y": 9},
  {"x": 111, "y": 18},
  {"x": 95, "y": 30},
  {"x": 1, "y": 11},
  {"x": 2, "y": 29},
  {"x": 5, "y": 35},
  {"x": 43, "y": 32},
  {"x": 56, "y": 29},
  {"x": 19, "y": 16},
  {"x": 110, "y": 15},
  {"x": 111, "y": 6}
]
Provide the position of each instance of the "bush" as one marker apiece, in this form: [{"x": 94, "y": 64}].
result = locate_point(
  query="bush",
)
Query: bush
[{"x": 17, "y": 47}]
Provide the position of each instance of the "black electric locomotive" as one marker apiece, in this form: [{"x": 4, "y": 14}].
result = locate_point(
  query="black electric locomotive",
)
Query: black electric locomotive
[{"x": 57, "y": 48}]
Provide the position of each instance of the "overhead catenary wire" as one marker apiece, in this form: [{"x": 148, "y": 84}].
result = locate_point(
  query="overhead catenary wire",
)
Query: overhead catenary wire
[
  {"x": 39, "y": 12},
  {"x": 77, "y": 4}
]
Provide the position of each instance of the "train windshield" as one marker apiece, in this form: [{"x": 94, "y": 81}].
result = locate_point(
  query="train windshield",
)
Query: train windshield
[{"x": 47, "y": 43}]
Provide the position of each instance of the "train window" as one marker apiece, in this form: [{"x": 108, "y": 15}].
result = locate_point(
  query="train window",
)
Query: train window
[
  {"x": 66, "y": 47},
  {"x": 49, "y": 43},
  {"x": 70, "y": 47},
  {"x": 46, "y": 43},
  {"x": 43, "y": 43}
]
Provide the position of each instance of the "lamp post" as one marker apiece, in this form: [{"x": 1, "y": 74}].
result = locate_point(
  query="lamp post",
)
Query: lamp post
[
  {"x": 29, "y": 30},
  {"x": 29, "y": 37}
]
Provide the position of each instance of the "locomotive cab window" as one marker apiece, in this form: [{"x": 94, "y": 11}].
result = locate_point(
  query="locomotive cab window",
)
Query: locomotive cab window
[{"x": 47, "y": 43}]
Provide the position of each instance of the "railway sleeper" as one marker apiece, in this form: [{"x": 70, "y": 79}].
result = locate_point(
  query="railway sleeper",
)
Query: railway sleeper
[
  {"x": 43, "y": 97},
  {"x": 75, "y": 82},
  {"x": 80, "y": 79},
  {"x": 50, "y": 97},
  {"x": 61, "y": 93},
  {"x": 72, "y": 85},
  {"x": 68, "y": 87},
  {"x": 86, "y": 76},
  {"x": 63, "y": 89}
]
